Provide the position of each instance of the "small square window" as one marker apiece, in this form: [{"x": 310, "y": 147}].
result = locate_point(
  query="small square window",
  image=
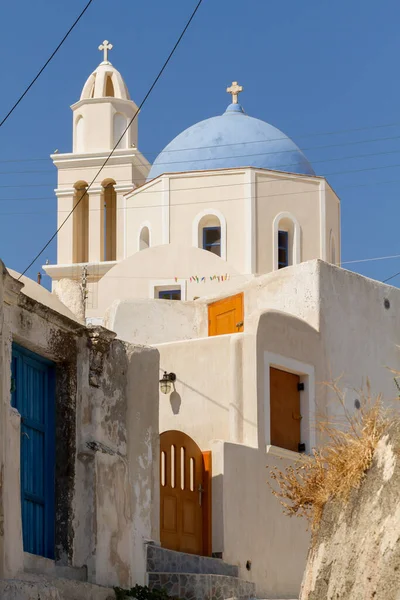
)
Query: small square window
[
  {"x": 169, "y": 294},
  {"x": 212, "y": 240}
]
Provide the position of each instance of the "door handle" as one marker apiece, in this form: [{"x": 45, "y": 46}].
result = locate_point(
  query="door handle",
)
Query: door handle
[
  {"x": 296, "y": 417},
  {"x": 239, "y": 324},
  {"x": 24, "y": 433},
  {"x": 200, "y": 490}
]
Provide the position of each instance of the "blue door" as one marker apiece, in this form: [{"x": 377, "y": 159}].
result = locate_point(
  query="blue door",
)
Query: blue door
[{"x": 33, "y": 395}]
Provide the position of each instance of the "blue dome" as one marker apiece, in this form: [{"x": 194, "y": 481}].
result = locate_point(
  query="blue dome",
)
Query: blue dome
[{"x": 231, "y": 140}]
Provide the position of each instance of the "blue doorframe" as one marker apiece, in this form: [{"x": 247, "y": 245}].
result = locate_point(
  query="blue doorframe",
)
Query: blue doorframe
[{"x": 33, "y": 395}]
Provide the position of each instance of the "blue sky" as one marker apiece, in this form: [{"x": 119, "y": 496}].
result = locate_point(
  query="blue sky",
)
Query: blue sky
[{"x": 309, "y": 68}]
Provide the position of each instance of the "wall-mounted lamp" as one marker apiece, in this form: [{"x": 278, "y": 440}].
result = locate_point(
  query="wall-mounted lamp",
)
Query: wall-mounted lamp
[{"x": 166, "y": 383}]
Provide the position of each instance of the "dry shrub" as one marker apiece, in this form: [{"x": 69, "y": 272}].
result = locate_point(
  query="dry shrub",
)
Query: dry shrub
[{"x": 336, "y": 468}]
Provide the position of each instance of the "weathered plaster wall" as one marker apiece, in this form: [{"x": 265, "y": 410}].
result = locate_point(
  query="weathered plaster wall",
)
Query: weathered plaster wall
[
  {"x": 143, "y": 452},
  {"x": 106, "y": 442},
  {"x": 11, "y": 557},
  {"x": 117, "y": 503}
]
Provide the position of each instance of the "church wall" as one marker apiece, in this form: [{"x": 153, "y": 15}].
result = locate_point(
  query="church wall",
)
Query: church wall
[
  {"x": 332, "y": 225},
  {"x": 92, "y": 138},
  {"x": 95, "y": 138},
  {"x": 192, "y": 194},
  {"x": 296, "y": 196},
  {"x": 67, "y": 177},
  {"x": 144, "y": 208}
]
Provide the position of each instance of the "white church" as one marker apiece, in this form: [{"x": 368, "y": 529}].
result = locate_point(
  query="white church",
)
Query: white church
[{"x": 220, "y": 262}]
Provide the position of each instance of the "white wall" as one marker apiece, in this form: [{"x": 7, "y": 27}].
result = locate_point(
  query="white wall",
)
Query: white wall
[
  {"x": 154, "y": 321},
  {"x": 254, "y": 528},
  {"x": 200, "y": 403}
]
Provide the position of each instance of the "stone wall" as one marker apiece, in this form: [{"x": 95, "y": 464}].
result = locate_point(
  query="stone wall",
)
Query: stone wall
[{"x": 355, "y": 554}]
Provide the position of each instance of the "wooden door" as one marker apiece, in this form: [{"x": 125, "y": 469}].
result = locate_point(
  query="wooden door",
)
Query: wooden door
[
  {"x": 184, "y": 495},
  {"x": 285, "y": 409},
  {"x": 34, "y": 398},
  {"x": 226, "y": 316}
]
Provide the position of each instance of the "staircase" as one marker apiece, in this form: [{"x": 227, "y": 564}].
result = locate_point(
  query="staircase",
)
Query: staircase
[
  {"x": 192, "y": 577},
  {"x": 30, "y": 586}
]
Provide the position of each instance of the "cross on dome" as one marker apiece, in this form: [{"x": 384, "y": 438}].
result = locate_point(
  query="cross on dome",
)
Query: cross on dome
[
  {"x": 105, "y": 47},
  {"x": 235, "y": 90}
]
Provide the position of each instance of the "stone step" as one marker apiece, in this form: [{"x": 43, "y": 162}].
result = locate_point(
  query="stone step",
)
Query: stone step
[
  {"x": 29, "y": 586},
  {"x": 161, "y": 560},
  {"x": 45, "y": 566},
  {"x": 200, "y": 586}
]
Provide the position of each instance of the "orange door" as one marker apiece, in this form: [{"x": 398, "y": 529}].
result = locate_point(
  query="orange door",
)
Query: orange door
[
  {"x": 285, "y": 409},
  {"x": 184, "y": 501},
  {"x": 226, "y": 316}
]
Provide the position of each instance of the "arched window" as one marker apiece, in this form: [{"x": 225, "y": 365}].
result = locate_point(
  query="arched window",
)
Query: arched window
[
  {"x": 119, "y": 126},
  {"x": 109, "y": 87},
  {"x": 286, "y": 236},
  {"x": 109, "y": 221},
  {"x": 144, "y": 237},
  {"x": 79, "y": 134},
  {"x": 209, "y": 232},
  {"x": 81, "y": 223}
]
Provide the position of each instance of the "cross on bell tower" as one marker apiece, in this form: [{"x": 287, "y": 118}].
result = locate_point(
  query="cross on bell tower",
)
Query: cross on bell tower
[
  {"x": 235, "y": 90},
  {"x": 105, "y": 47}
]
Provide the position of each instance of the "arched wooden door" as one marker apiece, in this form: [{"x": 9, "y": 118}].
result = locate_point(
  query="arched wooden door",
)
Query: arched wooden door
[{"x": 185, "y": 494}]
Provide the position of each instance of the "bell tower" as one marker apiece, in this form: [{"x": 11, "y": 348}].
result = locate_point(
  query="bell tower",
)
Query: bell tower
[{"x": 93, "y": 237}]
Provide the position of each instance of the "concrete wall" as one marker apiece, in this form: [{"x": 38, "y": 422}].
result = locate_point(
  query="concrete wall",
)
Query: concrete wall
[
  {"x": 249, "y": 524},
  {"x": 106, "y": 442},
  {"x": 361, "y": 336},
  {"x": 154, "y": 321},
  {"x": 200, "y": 402}
]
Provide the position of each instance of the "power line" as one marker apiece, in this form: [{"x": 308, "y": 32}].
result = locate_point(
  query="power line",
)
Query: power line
[
  {"x": 322, "y": 160},
  {"x": 77, "y": 268},
  {"x": 208, "y": 201},
  {"x": 304, "y": 135},
  {"x": 391, "y": 277},
  {"x": 278, "y": 180},
  {"x": 45, "y": 64},
  {"x": 304, "y": 149},
  {"x": 117, "y": 144}
]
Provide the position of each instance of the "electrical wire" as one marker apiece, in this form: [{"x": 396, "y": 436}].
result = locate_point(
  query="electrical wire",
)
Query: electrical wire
[
  {"x": 277, "y": 180},
  {"x": 391, "y": 277},
  {"x": 45, "y": 64},
  {"x": 322, "y": 160},
  {"x": 305, "y": 135},
  {"x": 117, "y": 144},
  {"x": 350, "y": 143},
  {"x": 208, "y": 201}
]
